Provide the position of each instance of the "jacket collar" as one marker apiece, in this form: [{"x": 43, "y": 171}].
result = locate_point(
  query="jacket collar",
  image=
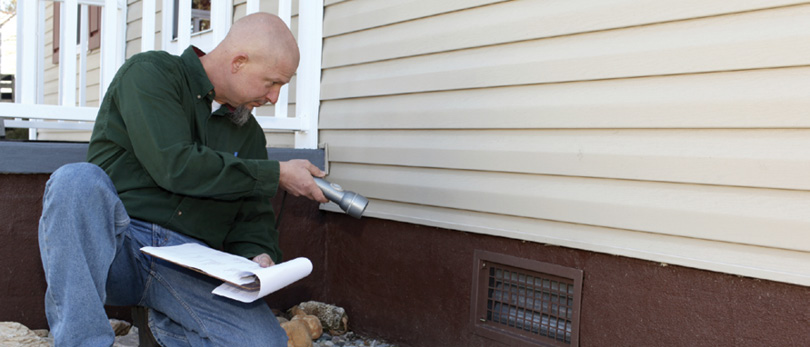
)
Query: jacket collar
[{"x": 200, "y": 84}]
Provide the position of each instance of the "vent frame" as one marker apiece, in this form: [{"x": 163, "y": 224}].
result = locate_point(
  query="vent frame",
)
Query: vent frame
[{"x": 512, "y": 332}]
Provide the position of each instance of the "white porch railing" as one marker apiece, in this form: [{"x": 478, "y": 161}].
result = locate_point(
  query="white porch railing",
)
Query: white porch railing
[{"x": 29, "y": 111}]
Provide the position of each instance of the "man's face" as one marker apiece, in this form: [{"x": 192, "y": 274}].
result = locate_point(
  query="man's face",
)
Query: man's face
[{"x": 260, "y": 82}]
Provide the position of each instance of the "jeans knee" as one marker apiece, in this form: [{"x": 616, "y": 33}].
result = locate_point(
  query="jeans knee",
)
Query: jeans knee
[
  {"x": 82, "y": 185},
  {"x": 77, "y": 179},
  {"x": 77, "y": 171}
]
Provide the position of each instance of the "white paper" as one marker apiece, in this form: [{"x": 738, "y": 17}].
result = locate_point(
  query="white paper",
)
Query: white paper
[
  {"x": 271, "y": 279},
  {"x": 233, "y": 268}
]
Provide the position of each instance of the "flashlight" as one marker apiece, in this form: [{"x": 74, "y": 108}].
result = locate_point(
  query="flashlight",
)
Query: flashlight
[{"x": 350, "y": 202}]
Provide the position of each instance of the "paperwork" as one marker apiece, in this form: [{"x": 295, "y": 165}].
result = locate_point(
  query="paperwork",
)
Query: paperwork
[{"x": 244, "y": 279}]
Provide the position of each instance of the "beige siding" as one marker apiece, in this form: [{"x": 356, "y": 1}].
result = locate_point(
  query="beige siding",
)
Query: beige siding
[
  {"x": 674, "y": 132},
  {"x": 133, "y": 34},
  {"x": 51, "y": 76}
]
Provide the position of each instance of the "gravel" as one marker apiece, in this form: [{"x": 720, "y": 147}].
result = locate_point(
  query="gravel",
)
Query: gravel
[{"x": 348, "y": 339}]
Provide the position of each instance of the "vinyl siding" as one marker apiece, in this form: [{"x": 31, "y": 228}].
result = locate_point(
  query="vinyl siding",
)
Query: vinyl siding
[{"x": 675, "y": 132}]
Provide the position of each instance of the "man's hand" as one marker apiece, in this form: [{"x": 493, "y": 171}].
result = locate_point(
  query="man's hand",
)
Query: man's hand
[
  {"x": 264, "y": 260},
  {"x": 296, "y": 177}
]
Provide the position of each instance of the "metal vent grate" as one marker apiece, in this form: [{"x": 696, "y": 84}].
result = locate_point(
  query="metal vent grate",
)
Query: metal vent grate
[{"x": 519, "y": 301}]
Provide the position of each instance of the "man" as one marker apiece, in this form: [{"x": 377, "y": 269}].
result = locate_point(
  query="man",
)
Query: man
[{"x": 163, "y": 171}]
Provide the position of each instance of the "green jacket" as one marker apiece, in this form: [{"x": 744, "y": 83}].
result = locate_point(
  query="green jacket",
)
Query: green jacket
[{"x": 175, "y": 164}]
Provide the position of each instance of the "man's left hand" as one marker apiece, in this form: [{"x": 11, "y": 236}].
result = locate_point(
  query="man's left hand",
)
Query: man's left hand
[{"x": 264, "y": 260}]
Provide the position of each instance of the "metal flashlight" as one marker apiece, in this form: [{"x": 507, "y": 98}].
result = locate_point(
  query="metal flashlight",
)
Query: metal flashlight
[{"x": 352, "y": 203}]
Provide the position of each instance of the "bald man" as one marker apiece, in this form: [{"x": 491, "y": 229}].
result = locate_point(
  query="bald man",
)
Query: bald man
[{"x": 165, "y": 170}]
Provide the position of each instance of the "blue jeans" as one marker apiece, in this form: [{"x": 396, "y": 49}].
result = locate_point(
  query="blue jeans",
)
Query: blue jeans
[{"x": 91, "y": 254}]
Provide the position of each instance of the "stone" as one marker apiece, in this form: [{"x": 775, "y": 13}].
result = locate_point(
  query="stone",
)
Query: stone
[
  {"x": 313, "y": 324},
  {"x": 297, "y": 311},
  {"x": 120, "y": 327},
  {"x": 131, "y": 339},
  {"x": 13, "y": 334},
  {"x": 297, "y": 334},
  {"x": 333, "y": 318}
]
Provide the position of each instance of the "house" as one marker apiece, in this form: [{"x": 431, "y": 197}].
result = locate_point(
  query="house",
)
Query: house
[{"x": 595, "y": 173}]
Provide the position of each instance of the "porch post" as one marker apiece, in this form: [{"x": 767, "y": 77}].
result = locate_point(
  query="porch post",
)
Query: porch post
[
  {"x": 252, "y": 6},
  {"x": 221, "y": 17},
  {"x": 167, "y": 30},
  {"x": 308, "y": 88},
  {"x": 183, "y": 25},
  {"x": 28, "y": 35},
  {"x": 83, "y": 38},
  {"x": 113, "y": 42},
  {"x": 281, "y": 106},
  {"x": 148, "y": 25},
  {"x": 67, "y": 53}
]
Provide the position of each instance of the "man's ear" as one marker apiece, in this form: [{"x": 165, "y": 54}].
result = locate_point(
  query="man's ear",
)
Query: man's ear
[{"x": 238, "y": 62}]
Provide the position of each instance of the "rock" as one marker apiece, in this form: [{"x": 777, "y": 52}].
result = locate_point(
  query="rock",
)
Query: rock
[
  {"x": 120, "y": 327},
  {"x": 297, "y": 311},
  {"x": 13, "y": 334},
  {"x": 131, "y": 339},
  {"x": 313, "y": 324},
  {"x": 333, "y": 318},
  {"x": 297, "y": 334}
]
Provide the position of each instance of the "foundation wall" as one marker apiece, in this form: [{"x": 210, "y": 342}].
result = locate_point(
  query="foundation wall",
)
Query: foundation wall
[{"x": 411, "y": 284}]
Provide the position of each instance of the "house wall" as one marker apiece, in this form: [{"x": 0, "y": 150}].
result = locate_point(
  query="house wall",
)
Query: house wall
[
  {"x": 674, "y": 132},
  {"x": 551, "y": 132},
  {"x": 411, "y": 284}
]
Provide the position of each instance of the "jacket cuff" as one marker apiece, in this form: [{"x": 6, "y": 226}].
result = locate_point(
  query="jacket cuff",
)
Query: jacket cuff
[{"x": 267, "y": 175}]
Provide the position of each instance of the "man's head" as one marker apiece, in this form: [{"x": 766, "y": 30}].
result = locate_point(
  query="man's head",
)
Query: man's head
[{"x": 250, "y": 65}]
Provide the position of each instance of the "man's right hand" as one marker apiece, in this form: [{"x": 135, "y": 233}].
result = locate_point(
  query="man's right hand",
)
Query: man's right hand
[{"x": 296, "y": 177}]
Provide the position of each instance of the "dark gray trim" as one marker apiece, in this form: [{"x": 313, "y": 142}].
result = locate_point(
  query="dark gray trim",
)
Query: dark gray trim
[
  {"x": 38, "y": 157},
  {"x": 45, "y": 157},
  {"x": 315, "y": 156}
]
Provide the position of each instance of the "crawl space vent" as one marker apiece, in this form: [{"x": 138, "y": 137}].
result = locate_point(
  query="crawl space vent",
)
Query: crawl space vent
[{"x": 523, "y": 302}]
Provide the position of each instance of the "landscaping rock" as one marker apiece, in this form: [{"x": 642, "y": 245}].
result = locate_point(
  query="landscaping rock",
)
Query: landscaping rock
[
  {"x": 313, "y": 324},
  {"x": 333, "y": 318},
  {"x": 297, "y": 333},
  {"x": 13, "y": 334}
]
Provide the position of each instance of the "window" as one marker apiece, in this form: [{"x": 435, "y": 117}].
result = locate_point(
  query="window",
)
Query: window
[
  {"x": 94, "y": 29},
  {"x": 200, "y": 16}
]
